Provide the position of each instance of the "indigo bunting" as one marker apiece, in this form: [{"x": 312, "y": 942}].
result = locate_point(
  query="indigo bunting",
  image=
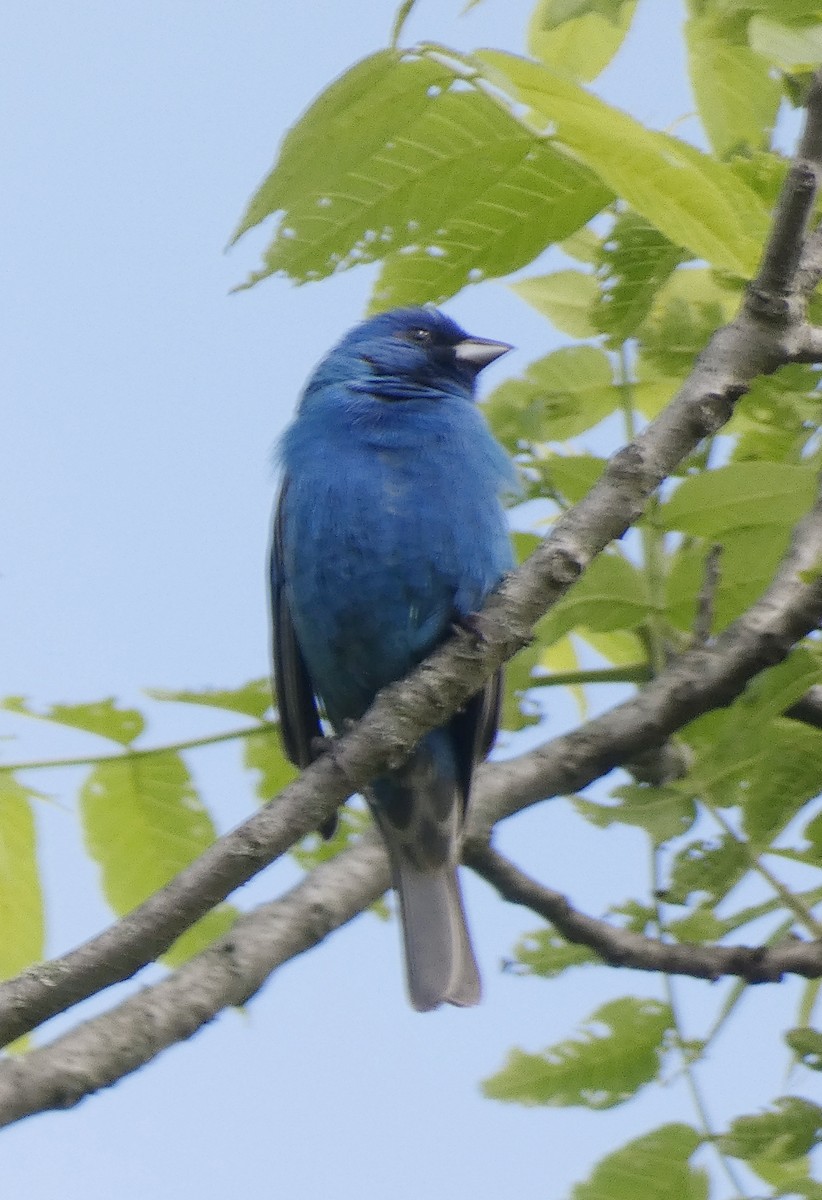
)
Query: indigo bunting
[{"x": 388, "y": 531}]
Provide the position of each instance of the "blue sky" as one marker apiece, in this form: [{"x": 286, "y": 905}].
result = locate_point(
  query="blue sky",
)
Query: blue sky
[{"x": 142, "y": 405}]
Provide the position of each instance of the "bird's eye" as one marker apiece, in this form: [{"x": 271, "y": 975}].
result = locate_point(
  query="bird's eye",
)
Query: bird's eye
[{"x": 420, "y": 335}]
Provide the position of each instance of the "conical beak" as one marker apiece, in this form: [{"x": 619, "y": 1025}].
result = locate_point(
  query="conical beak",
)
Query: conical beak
[{"x": 479, "y": 352}]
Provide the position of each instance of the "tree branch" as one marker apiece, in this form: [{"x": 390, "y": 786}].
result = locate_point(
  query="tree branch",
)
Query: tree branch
[
  {"x": 102, "y": 1050},
  {"x": 623, "y": 948}
]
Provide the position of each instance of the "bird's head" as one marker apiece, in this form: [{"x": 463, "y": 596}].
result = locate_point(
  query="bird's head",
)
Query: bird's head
[{"x": 408, "y": 353}]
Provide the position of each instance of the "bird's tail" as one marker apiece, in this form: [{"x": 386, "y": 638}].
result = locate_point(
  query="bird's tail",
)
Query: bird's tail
[
  {"x": 419, "y": 810},
  {"x": 439, "y": 961}
]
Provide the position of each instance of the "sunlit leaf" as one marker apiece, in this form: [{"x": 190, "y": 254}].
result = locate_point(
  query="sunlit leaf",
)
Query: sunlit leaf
[
  {"x": 102, "y": 717},
  {"x": 548, "y": 954},
  {"x": 663, "y": 812},
  {"x": 742, "y": 494},
  {"x": 736, "y": 96},
  {"x": 558, "y": 397},
  {"x": 144, "y": 822},
  {"x": 694, "y": 200},
  {"x": 791, "y": 1130},
  {"x": 579, "y": 36},
  {"x": 618, "y": 1050},
  {"x": 265, "y": 756},
  {"x": 252, "y": 698},
  {"x": 565, "y": 298},
  {"x": 657, "y": 1163},
  {"x": 21, "y": 899}
]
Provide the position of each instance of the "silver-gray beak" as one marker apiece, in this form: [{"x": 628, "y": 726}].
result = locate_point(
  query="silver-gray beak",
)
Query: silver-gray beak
[{"x": 479, "y": 352}]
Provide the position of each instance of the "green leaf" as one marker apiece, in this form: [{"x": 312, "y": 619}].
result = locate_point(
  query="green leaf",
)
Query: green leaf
[
  {"x": 697, "y": 202},
  {"x": 540, "y": 198},
  {"x": 786, "y": 778},
  {"x": 610, "y": 595},
  {"x": 583, "y": 246},
  {"x": 735, "y": 94},
  {"x": 790, "y": 1131},
  {"x": 143, "y": 823},
  {"x": 558, "y": 397},
  {"x": 742, "y": 494},
  {"x": 663, "y": 812},
  {"x": 547, "y": 954},
  {"x": 565, "y": 298},
  {"x": 749, "y": 560},
  {"x": 706, "y": 868},
  {"x": 265, "y": 756},
  {"x": 315, "y": 849},
  {"x": 400, "y": 154},
  {"x": 790, "y": 47},
  {"x": 579, "y": 37},
  {"x": 618, "y": 1050},
  {"x": 102, "y": 717},
  {"x": 572, "y": 475},
  {"x": 790, "y": 1178},
  {"x": 655, "y": 1167},
  {"x": 21, "y": 899},
  {"x": 807, "y": 1046},
  {"x": 635, "y": 261},
  {"x": 517, "y": 679},
  {"x": 252, "y": 698}
]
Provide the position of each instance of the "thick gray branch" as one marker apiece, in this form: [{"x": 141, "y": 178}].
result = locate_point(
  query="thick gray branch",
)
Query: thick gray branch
[{"x": 102, "y": 1050}]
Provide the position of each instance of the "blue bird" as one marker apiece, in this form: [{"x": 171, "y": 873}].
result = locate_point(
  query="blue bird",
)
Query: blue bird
[{"x": 389, "y": 530}]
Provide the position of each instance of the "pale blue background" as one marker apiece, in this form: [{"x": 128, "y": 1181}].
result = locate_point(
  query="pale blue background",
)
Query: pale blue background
[{"x": 141, "y": 404}]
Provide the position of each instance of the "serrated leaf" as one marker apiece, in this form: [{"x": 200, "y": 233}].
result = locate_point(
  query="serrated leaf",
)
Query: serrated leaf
[
  {"x": 658, "y": 1163},
  {"x": 706, "y": 868},
  {"x": 743, "y": 494},
  {"x": 252, "y": 698},
  {"x": 547, "y": 954},
  {"x": 264, "y": 755},
  {"x": 618, "y": 1050},
  {"x": 143, "y": 823},
  {"x": 21, "y": 899},
  {"x": 579, "y": 38},
  {"x": 685, "y": 311},
  {"x": 786, "y": 778},
  {"x": 807, "y": 1046},
  {"x": 565, "y": 298},
  {"x": 635, "y": 261},
  {"x": 791, "y": 1130},
  {"x": 612, "y": 594},
  {"x": 103, "y": 717},
  {"x": 697, "y": 202},
  {"x": 663, "y": 812},
  {"x": 540, "y": 198},
  {"x": 558, "y": 397},
  {"x": 735, "y": 94},
  {"x": 792, "y": 1178},
  {"x": 401, "y": 154}
]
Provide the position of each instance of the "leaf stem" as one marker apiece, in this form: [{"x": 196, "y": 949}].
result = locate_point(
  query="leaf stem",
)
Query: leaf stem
[
  {"x": 688, "y": 1066},
  {"x": 403, "y": 13},
  {"x": 92, "y": 760}
]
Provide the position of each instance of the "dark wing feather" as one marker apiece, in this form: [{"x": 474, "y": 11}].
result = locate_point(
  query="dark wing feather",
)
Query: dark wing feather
[
  {"x": 474, "y": 728},
  {"x": 299, "y": 718}
]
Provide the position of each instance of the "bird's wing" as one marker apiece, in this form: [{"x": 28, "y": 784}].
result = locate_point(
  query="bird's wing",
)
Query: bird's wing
[
  {"x": 299, "y": 718},
  {"x": 474, "y": 728}
]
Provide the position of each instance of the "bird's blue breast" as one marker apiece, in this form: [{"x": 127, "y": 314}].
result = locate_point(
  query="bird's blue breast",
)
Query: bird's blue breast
[{"x": 392, "y": 526}]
